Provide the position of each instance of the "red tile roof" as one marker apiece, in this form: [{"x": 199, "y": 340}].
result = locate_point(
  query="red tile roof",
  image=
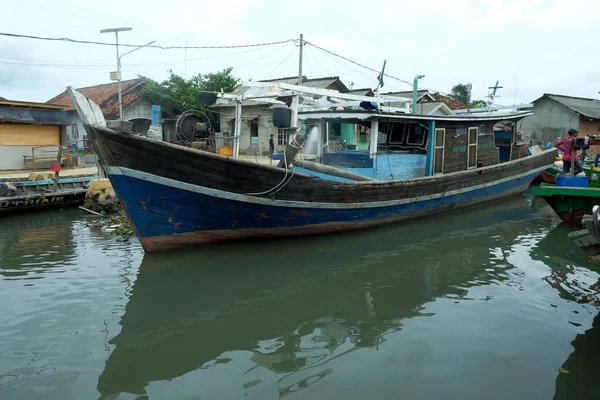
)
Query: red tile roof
[
  {"x": 453, "y": 104},
  {"x": 106, "y": 96}
]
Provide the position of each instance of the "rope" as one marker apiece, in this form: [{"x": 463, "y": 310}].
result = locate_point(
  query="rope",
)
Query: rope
[{"x": 284, "y": 182}]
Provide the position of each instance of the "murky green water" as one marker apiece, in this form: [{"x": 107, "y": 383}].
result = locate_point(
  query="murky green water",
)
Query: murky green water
[{"x": 483, "y": 304}]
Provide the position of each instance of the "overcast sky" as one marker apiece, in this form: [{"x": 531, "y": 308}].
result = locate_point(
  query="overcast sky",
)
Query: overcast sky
[{"x": 548, "y": 45}]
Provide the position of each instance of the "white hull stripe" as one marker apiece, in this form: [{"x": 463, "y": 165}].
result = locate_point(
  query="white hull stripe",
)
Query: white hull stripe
[{"x": 301, "y": 204}]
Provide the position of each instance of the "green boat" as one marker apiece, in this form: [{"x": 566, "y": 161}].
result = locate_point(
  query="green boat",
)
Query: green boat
[{"x": 572, "y": 197}]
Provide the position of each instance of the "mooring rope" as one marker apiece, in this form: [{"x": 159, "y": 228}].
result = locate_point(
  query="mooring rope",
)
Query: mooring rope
[{"x": 283, "y": 182}]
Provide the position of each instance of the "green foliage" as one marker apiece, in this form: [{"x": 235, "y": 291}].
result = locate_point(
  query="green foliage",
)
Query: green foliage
[
  {"x": 124, "y": 229},
  {"x": 462, "y": 93},
  {"x": 178, "y": 94},
  {"x": 478, "y": 104}
]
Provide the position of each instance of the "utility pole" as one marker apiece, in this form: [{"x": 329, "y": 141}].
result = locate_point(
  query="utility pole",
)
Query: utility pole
[
  {"x": 300, "y": 60},
  {"x": 118, "y": 74},
  {"x": 185, "y": 71}
]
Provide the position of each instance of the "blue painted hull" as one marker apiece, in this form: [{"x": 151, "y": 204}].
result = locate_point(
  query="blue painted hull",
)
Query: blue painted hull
[{"x": 167, "y": 214}]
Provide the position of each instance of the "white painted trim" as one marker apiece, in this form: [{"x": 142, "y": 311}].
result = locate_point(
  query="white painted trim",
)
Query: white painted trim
[
  {"x": 376, "y": 115},
  {"x": 298, "y": 204},
  {"x": 469, "y": 145},
  {"x": 436, "y": 147}
]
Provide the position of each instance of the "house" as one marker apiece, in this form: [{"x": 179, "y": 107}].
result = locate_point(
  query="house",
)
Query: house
[
  {"x": 25, "y": 125},
  {"x": 554, "y": 114},
  {"x": 429, "y": 103},
  {"x": 137, "y": 105},
  {"x": 362, "y": 92},
  {"x": 257, "y": 117}
]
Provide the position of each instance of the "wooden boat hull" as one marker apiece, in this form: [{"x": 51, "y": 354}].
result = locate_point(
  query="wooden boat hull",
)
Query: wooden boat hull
[
  {"x": 569, "y": 203},
  {"x": 177, "y": 196},
  {"x": 549, "y": 174},
  {"x": 37, "y": 195},
  {"x": 41, "y": 201}
]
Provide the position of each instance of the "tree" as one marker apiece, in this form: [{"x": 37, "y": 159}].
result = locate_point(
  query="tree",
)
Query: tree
[
  {"x": 462, "y": 93},
  {"x": 178, "y": 94}
]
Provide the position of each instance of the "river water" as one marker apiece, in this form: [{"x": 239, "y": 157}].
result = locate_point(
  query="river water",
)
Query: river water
[{"x": 487, "y": 303}]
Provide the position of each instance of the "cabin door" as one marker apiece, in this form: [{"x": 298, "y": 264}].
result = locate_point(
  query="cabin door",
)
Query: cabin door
[
  {"x": 438, "y": 160},
  {"x": 472, "y": 147}
]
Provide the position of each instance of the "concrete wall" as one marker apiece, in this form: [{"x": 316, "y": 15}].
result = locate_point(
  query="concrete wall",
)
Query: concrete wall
[
  {"x": 550, "y": 121},
  {"x": 11, "y": 157},
  {"x": 265, "y": 127}
]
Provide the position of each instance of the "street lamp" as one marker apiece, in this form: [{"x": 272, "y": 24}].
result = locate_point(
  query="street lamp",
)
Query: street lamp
[
  {"x": 416, "y": 83},
  {"x": 118, "y": 75}
]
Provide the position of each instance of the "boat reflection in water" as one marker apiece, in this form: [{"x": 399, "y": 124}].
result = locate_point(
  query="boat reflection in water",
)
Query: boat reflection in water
[
  {"x": 579, "y": 381},
  {"x": 30, "y": 244},
  {"x": 293, "y": 306}
]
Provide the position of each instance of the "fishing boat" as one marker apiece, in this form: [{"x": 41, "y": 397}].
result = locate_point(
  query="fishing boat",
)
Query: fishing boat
[
  {"x": 571, "y": 197},
  {"x": 25, "y": 196},
  {"x": 177, "y": 196}
]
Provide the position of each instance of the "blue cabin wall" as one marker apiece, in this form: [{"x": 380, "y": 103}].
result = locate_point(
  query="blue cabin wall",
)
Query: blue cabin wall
[
  {"x": 388, "y": 165},
  {"x": 400, "y": 166}
]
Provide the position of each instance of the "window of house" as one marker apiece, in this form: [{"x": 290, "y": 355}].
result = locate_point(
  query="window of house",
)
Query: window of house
[
  {"x": 481, "y": 129},
  {"x": 254, "y": 128},
  {"x": 282, "y": 137},
  {"x": 460, "y": 131}
]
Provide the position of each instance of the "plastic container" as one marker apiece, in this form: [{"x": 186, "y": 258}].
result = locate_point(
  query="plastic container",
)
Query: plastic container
[
  {"x": 576, "y": 181},
  {"x": 277, "y": 156},
  {"x": 226, "y": 151}
]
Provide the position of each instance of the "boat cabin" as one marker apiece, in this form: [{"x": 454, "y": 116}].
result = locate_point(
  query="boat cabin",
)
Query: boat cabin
[{"x": 410, "y": 145}]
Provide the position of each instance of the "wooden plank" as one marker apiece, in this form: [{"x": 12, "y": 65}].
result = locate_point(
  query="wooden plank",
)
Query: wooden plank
[
  {"x": 455, "y": 152},
  {"x": 487, "y": 152},
  {"x": 472, "y": 141},
  {"x": 29, "y": 135},
  {"x": 440, "y": 141}
]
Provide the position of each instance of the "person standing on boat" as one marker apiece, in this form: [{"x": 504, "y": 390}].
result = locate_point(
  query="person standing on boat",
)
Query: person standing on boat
[
  {"x": 566, "y": 146},
  {"x": 271, "y": 147}
]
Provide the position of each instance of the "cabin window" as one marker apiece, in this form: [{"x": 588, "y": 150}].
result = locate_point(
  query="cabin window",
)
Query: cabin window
[
  {"x": 481, "y": 129},
  {"x": 460, "y": 131},
  {"x": 415, "y": 135},
  {"x": 282, "y": 137}
]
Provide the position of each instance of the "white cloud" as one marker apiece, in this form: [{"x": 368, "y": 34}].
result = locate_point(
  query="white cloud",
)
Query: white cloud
[{"x": 547, "y": 43}]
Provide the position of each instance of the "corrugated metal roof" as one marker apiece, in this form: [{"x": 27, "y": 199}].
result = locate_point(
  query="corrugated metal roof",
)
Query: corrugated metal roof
[
  {"x": 587, "y": 107},
  {"x": 362, "y": 92},
  {"x": 433, "y": 107},
  {"x": 35, "y": 115},
  {"x": 320, "y": 83},
  {"x": 30, "y": 104},
  {"x": 408, "y": 93}
]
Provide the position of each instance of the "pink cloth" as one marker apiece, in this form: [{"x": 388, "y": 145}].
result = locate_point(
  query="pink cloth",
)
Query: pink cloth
[{"x": 565, "y": 145}]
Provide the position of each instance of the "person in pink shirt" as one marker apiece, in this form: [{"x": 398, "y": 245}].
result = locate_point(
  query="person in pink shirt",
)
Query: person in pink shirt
[{"x": 566, "y": 145}]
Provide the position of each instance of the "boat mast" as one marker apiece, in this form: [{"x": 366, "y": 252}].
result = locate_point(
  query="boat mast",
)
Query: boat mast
[{"x": 296, "y": 97}]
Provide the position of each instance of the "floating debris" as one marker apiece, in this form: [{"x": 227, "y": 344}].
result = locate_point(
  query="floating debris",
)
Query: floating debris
[
  {"x": 563, "y": 371},
  {"x": 117, "y": 224}
]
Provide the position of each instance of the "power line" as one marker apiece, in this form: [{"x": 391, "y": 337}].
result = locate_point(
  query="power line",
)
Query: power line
[
  {"x": 33, "y": 62},
  {"x": 56, "y": 11},
  {"x": 370, "y": 69},
  {"x": 63, "y": 39},
  {"x": 356, "y": 63},
  {"x": 280, "y": 64}
]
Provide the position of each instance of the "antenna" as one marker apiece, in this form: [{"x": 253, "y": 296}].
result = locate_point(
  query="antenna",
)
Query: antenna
[{"x": 492, "y": 95}]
